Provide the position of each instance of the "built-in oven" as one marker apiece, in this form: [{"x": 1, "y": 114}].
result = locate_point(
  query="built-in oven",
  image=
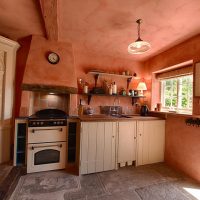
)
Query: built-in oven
[
  {"x": 46, "y": 156},
  {"x": 46, "y": 143}
]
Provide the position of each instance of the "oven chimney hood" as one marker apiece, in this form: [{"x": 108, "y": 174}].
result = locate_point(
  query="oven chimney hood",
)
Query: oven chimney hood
[{"x": 38, "y": 74}]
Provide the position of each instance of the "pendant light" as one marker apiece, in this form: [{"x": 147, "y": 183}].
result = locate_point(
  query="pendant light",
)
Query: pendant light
[{"x": 139, "y": 46}]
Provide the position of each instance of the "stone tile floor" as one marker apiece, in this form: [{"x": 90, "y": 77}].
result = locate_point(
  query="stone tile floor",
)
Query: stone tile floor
[{"x": 150, "y": 182}]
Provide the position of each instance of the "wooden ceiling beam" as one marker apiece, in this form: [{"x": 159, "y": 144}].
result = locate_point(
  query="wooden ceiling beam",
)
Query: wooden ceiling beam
[{"x": 50, "y": 14}]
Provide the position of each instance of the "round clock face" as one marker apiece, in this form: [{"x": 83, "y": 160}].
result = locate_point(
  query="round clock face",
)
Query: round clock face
[{"x": 53, "y": 58}]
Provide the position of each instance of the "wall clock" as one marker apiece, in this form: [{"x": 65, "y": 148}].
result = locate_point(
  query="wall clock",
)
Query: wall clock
[{"x": 53, "y": 58}]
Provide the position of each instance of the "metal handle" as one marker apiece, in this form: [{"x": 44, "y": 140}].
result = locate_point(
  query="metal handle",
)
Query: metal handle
[
  {"x": 47, "y": 129},
  {"x": 55, "y": 145}
]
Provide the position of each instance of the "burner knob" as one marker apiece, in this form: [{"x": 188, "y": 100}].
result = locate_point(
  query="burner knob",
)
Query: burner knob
[
  {"x": 34, "y": 123},
  {"x": 61, "y": 122},
  {"x": 41, "y": 123},
  {"x": 38, "y": 123},
  {"x": 54, "y": 123},
  {"x": 58, "y": 122}
]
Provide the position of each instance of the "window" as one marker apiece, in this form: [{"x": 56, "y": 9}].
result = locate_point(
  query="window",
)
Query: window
[{"x": 177, "y": 93}]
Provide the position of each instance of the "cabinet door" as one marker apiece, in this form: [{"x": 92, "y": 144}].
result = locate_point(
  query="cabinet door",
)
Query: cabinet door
[
  {"x": 127, "y": 141},
  {"x": 100, "y": 147},
  {"x": 150, "y": 141},
  {"x": 97, "y": 149},
  {"x": 157, "y": 141},
  {"x": 84, "y": 148},
  {"x": 110, "y": 145},
  {"x": 142, "y": 143}
]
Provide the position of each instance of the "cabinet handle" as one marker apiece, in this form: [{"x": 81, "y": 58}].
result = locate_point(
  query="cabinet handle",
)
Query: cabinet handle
[
  {"x": 140, "y": 134},
  {"x": 47, "y": 129},
  {"x": 134, "y": 137},
  {"x": 113, "y": 136},
  {"x": 56, "y": 145}
]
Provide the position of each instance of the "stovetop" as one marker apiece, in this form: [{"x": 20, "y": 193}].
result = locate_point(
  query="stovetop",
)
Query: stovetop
[
  {"x": 49, "y": 114},
  {"x": 48, "y": 117}
]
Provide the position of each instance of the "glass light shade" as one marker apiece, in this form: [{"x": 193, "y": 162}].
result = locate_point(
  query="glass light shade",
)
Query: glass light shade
[
  {"x": 138, "y": 47},
  {"x": 142, "y": 86}
]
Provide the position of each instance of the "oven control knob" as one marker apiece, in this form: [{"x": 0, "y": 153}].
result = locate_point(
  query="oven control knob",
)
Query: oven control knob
[
  {"x": 38, "y": 123},
  {"x": 58, "y": 122},
  {"x": 34, "y": 123},
  {"x": 61, "y": 122},
  {"x": 54, "y": 123},
  {"x": 41, "y": 123}
]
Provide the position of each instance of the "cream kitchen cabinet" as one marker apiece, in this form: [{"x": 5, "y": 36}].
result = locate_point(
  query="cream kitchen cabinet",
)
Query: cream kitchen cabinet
[
  {"x": 150, "y": 141},
  {"x": 97, "y": 147},
  {"x": 126, "y": 142}
]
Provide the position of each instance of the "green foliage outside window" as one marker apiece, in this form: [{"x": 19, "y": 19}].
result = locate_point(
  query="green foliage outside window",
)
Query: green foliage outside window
[{"x": 177, "y": 92}]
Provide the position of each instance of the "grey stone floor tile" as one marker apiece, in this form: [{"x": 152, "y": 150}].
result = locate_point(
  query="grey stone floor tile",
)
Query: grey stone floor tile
[
  {"x": 123, "y": 179},
  {"x": 150, "y": 182},
  {"x": 127, "y": 195},
  {"x": 164, "y": 191}
]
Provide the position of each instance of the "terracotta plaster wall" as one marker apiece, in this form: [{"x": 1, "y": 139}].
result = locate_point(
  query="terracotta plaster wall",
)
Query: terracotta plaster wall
[
  {"x": 183, "y": 146},
  {"x": 188, "y": 50},
  {"x": 85, "y": 62},
  {"x": 182, "y": 149},
  {"x": 33, "y": 68},
  {"x": 39, "y": 71}
]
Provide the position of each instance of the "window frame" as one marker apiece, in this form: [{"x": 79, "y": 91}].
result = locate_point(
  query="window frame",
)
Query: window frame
[{"x": 177, "y": 108}]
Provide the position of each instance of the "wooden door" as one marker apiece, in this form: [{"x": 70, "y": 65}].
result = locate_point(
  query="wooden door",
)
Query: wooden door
[
  {"x": 150, "y": 141},
  {"x": 97, "y": 149},
  {"x": 110, "y": 145},
  {"x": 127, "y": 142},
  {"x": 157, "y": 141},
  {"x": 142, "y": 143},
  {"x": 84, "y": 148}
]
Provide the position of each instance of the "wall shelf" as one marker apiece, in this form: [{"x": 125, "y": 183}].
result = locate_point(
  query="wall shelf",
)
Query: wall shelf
[
  {"x": 98, "y": 73},
  {"x": 134, "y": 98}
]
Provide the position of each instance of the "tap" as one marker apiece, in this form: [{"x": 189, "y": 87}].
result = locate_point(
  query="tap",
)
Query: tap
[{"x": 116, "y": 100}]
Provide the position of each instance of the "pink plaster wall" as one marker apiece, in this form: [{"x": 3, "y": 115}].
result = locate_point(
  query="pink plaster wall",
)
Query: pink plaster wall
[
  {"x": 182, "y": 149},
  {"x": 39, "y": 71},
  {"x": 33, "y": 68},
  {"x": 86, "y": 62},
  {"x": 188, "y": 50}
]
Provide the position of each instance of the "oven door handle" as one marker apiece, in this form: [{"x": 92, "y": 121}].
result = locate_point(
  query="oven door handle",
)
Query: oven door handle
[
  {"x": 55, "y": 145},
  {"x": 47, "y": 129}
]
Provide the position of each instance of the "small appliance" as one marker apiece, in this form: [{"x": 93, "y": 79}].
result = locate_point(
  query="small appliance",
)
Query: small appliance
[{"x": 144, "y": 110}]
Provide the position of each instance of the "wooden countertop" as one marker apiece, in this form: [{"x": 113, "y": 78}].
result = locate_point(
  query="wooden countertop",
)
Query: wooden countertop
[{"x": 101, "y": 117}]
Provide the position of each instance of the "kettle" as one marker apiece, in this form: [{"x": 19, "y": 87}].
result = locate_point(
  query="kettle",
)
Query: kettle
[{"x": 144, "y": 110}]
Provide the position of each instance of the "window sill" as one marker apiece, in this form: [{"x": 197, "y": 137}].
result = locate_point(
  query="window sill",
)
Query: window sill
[{"x": 176, "y": 113}]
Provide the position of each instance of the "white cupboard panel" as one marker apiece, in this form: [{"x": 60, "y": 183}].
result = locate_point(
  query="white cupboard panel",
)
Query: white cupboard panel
[
  {"x": 150, "y": 141},
  {"x": 92, "y": 144},
  {"x": 157, "y": 142},
  {"x": 84, "y": 148},
  {"x": 109, "y": 148},
  {"x": 97, "y": 149},
  {"x": 100, "y": 147},
  {"x": 127, "y": 142}
]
